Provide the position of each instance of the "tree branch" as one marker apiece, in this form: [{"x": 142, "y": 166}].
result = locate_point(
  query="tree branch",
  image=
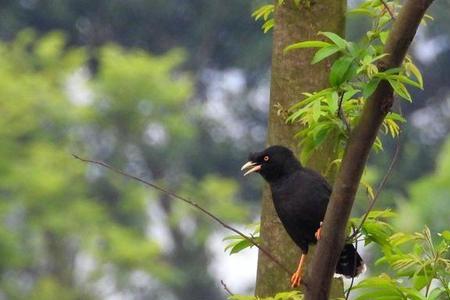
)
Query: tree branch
[
  {"x": 333, "y": 232},
  {"x": 191, "y": 203},
  {"x": 386, "y": 6},
  {"x": 226, "y": 288},
  {"x": 379, "y": 189},
  {"x": 341, "y": 115}
]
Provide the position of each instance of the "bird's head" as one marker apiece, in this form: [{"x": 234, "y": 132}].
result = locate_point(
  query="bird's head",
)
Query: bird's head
[{"x": 272, "y": 163}]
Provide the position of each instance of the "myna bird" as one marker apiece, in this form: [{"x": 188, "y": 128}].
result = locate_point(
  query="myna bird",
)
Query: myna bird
[{"x": 300, "y": 196}]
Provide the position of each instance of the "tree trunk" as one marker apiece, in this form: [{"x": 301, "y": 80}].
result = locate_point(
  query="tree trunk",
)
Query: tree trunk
[
  {"x": 292, "y": 74},
  {"x": 357, "y": 152}
]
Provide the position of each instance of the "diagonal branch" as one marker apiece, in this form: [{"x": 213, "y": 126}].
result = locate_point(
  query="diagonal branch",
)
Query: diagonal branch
[
  {"x": 386, "y": 6},
  {"x": 249, "y": 239},
  {"x": 362, "y": 138},
  {"x": 341, "y": 115},
  {"x": 226, "y": 288},
  {"x": 378, "y": 192}
]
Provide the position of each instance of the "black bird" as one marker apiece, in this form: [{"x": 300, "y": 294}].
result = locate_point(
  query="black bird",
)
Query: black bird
[{"x": 300, "y": 196}]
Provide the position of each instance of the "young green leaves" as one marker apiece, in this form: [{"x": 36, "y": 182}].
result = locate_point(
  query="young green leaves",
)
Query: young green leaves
[
  {"x": 354, "y": 76},
  {"x": 265, "y": 12},
  {"x": 237, "y": 243},
  {"x": 418, "y": 257}
]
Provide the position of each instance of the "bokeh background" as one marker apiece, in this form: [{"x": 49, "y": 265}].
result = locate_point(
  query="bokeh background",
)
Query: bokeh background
[{"x": 174, "y": 91}]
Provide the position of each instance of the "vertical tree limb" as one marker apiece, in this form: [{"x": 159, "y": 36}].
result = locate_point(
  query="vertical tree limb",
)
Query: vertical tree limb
[
  {"x": 355, "y": 157},
  {"x": 292, "y": 74}
]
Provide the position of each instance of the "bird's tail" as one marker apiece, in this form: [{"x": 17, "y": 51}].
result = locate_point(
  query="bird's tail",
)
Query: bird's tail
[{"x": 350, "y": 264}]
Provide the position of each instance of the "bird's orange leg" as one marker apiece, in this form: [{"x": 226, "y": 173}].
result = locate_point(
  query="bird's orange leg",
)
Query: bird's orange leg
[
  {"x": 297, "y": 276},
  {"x": 318, "y": 232}
]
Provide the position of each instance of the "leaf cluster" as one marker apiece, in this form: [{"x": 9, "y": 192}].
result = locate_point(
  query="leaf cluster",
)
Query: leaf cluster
[
  {"x": 265, "y": 12},
  {"x": 355, "y": 73},
  {"x": 421, "y": 264},
  {"x": 237, "y": 243}
]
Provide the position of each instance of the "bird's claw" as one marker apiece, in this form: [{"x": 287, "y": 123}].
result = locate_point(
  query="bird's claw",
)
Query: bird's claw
[
  {"x": 296, "y": 279},
  {"x": 319, "y": 232}
]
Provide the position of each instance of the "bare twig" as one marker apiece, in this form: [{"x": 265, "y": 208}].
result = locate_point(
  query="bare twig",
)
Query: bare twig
[
  {"x": 354, "y": 266},
  {"x": 388, "y": 9},
  {"x": 379, "y": 189},
  {"x": 341, "y": 115},
  {"x": 191, "y": 203},
  {"x": 226, "y": 288}
]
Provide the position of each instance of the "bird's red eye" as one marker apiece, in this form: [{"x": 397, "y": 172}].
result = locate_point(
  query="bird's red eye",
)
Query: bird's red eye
[{"x": 266, "y": 158}]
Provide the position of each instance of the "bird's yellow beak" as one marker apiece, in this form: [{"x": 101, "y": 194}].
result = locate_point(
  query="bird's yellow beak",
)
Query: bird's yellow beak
[{"x": 250, "y": 167}]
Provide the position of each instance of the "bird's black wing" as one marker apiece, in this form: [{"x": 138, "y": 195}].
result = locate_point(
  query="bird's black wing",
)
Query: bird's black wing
[{"x": 301, "y": 201}]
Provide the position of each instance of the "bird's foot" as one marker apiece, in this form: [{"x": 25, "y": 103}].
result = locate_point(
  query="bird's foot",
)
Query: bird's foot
[
  {"x": 319, "y": 232},
  {"x": 296, "y": 279}
]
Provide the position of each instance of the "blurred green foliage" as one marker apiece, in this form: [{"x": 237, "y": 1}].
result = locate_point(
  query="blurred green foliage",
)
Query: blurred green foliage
[
  {"x": 68, "y": 227},
  {"x": 428, "y": 202},
  {"x": 71, "y": 231},
  {"x": 420, "y": 264},
  {"x": 216, "y": 33}
]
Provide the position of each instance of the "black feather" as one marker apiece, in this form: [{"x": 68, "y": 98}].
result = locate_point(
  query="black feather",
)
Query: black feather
[{"x": 300, "y": 197}]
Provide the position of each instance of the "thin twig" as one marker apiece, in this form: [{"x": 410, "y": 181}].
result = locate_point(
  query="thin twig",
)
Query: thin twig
[
  {"x": 192, "y": 203},
  {"x": 388, "y": 9},
  {"x": 385, "y": 178},
  {"x": 341, "y": 115},
  {"x": 379, "y": 189},
  {"x": 226, "y": 288},
  {"x": 354, "y": 267}
]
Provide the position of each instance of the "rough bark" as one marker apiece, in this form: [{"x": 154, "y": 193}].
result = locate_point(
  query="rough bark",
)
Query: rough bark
[
  {"x": 292, "y": 74},
  {"x": 355, "y": 158}
]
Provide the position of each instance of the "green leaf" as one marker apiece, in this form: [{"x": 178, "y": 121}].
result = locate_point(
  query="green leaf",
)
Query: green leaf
[
  {"x": 421, "y": 281},
  {"x": 378, "y": 145},
  {"x": 381, "y": 214},
  {"x": 413, "y": 294},
  {"x": 378, "y": 57},
  {"x": 436, "y": 293},
  {"x": 294, "y": 295},
  {"x": 333, "y": 101},
  {"x": 383, "y": 36},
  {"x": 377, "y": 231},
  {"x": 405, "y": 79},
  {"x": 310, "y": 98},
  {"x": 386, "y": 74},
  {"x": 370, "y": 87},
  {"x": 379, "y": 293},
  {"x": 241, "y": 297},
  {"x": 340, "y": 71},
  {"x": 337, "y": 40},
  {"x": 316, "y": 110},
  {"x": 320, "y": 133},
  {"x": 416, "y": 72},
  {"x": 349, "y": 94},
  {"x": 324, "y": 53},
  {"x": 380, "y": 287},
  {"x": 268, "y": 25},
  {"x": 446, "y": 235},
  {"x": 232, "y": 237},
  {"x": 369, "y": 189},
  {"x": 400, "y": 89},
  {"x": 384, "y": 19},
  {"x": 395, "y": 117},
  {"x": 240, "y": 246},
  {"x": 307, "y": 44},
  {"x": 363, "y": 11}
]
